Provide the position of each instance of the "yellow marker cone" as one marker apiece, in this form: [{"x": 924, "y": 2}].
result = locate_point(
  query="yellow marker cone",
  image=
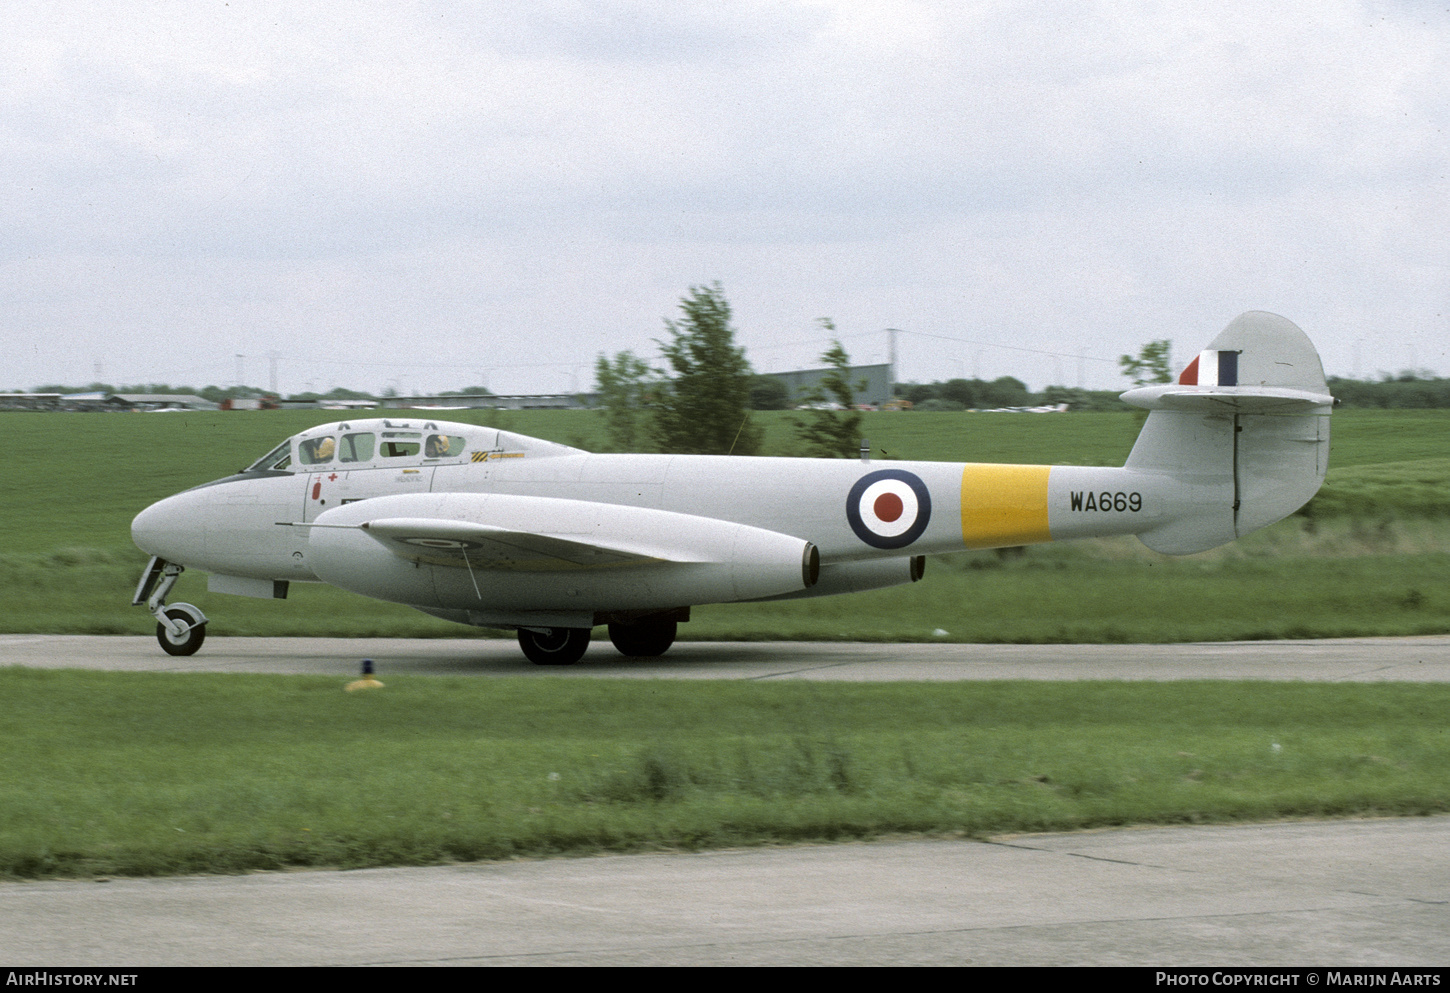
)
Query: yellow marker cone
[{"x": 368, "y": 680}]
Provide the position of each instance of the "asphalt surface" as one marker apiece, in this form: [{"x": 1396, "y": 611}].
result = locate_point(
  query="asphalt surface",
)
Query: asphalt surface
[
  {"x": 1422, "y": 659},
  {"x": 1338, "y": 893}
]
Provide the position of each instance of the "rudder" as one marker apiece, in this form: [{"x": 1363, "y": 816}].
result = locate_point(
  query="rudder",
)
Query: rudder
[{"x": 1244, "y": 434}]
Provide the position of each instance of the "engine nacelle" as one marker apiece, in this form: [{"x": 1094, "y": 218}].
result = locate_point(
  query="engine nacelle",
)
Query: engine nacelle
[
  {"x": 859, "y": 576},
  {"x": 648, "y": 559}
]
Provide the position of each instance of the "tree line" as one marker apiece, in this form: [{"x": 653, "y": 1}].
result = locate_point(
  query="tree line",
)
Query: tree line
[{"x": 704, "y": 400}]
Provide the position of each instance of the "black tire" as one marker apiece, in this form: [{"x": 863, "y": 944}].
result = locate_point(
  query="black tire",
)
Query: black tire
[
  {"x": 644, "y": 640},
  {"x": 189, "y": 642},
  {"x": 554, "y": 646}
]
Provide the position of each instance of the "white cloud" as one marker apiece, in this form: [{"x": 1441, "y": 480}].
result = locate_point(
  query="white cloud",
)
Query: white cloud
[{"x": 378, "y": 178}]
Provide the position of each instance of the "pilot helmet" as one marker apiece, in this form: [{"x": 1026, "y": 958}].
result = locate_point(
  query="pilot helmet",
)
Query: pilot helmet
[{"x": 324, "y": 449}]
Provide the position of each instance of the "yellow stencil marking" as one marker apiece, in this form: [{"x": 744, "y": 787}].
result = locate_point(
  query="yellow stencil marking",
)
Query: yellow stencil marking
[{"x": 1004, "y": 505}]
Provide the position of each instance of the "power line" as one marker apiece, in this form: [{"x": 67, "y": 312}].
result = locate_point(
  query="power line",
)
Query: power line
[
  {"x": 941, "y": 337},
  {"x": 1010, "y": 348},
  {"x": 815, "y": 342},
  {"x": 398, "y": 364}
]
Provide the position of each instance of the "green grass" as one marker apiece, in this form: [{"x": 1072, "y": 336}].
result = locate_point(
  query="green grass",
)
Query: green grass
[
  {"x": 1368, "y": 556},
  {"x": 153, "y": 773},
  {"x": 1409, "y": 488},
  {"x": 146, "y": 774},
  {"x": 1050, "y": 595},
  {"x": 77, "y": 480},
  {"x": 1303, "y": 578}
]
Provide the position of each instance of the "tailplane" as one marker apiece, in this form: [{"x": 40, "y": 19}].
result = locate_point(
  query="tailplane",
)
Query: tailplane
[{"x": 1244, "y": 431}]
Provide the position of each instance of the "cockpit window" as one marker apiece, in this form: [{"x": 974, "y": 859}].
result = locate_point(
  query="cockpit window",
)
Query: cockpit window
[
  {"x": 316, "y": 451},
  {"x": 397, "y": 444},
  {"x": 357, "y": 447},
  {"x": 277, "y": 459},
  {"x": 443, "y": 446}
]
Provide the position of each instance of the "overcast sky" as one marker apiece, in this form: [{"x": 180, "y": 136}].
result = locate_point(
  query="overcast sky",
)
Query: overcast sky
[{"x": 429, "y": 195}]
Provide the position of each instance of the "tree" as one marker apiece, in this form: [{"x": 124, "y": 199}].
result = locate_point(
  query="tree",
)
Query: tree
[
  {"x": 705, "y": 406},
  {"x": 768, "y": 393},
  {"x": 917, "y": 393},
  {"x": 1151, "y": 365},
  {"x": 1081, "y": 399},
  {"x": 1004, "y": 391},
  {"x": 336, "y": 393},
  {"x": 623, "y": 385},
  {"x": 825, "y": 432},
  {"x": 962, "y": 391}
]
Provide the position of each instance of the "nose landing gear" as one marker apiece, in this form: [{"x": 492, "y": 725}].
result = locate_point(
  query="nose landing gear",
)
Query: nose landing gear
[
  {"x": 192, "y": 630},
  {"x": 180, "y": 628}
]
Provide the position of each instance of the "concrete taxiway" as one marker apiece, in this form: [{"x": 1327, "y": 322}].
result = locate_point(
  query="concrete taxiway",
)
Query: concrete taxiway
[
  {"x": 1338, "y": 893},
  {"x": 1354, "y": 892},
  {"x": 1421, "y": 659}
]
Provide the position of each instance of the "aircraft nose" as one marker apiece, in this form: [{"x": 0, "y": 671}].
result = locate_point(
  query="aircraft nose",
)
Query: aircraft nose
[{"x": 172, "y": 529}]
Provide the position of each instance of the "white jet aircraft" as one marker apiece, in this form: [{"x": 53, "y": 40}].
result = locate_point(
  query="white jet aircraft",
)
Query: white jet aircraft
[{"x": 490, "y": 528}]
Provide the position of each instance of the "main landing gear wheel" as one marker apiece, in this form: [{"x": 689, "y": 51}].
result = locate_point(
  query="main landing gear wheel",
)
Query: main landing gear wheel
[
  {"x": 554, "y": 646},
  {"x": 644, "y": 640},
  {"x": 192, "y": 635}
]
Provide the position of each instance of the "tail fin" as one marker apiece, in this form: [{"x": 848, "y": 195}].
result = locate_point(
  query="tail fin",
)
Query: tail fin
[{"x": 1244, "y": 432}]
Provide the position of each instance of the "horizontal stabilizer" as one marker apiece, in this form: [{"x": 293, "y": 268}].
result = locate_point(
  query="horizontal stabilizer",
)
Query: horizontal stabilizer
[
  {"x": 1260, "y": 364},
  {"x": 1242, "y": 437},
  {"x": 1227, "y": 399}
]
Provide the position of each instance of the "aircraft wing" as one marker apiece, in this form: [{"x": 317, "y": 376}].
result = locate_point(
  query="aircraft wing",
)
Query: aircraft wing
[{"x": 468, "y": 545}]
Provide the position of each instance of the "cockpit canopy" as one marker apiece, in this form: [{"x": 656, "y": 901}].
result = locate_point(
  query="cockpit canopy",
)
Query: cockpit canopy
[{"x": 381, "y": 443}]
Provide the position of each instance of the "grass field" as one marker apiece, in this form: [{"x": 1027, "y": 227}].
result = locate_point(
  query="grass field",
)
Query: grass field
[
  {"x": 145, "y": 774},
  {"x": 1371, "y": 554},
  {"x": 109, "y": 773}
]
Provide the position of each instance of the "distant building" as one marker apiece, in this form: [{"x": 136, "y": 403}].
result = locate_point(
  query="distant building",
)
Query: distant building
[
  {"x": 876, "y": 390},
  {"x": 30, "y": 401},
  {"x": 103, "y": 401},
  {"x": 157, "y": 401}
]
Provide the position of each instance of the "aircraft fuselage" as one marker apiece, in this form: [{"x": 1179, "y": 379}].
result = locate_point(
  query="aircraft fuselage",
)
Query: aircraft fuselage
[
  {"x": 486, "y": 527},
  {"x": 247, "y": 525}
]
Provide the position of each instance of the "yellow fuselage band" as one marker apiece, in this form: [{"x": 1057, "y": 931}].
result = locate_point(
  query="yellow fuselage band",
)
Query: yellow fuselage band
[{"x": 1004, "y": 505}]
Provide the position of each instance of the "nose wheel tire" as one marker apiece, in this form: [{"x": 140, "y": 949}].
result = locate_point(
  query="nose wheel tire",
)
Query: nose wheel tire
[
  {"x": 189, "y": 640},
  {"x": 554, "y": 646}
]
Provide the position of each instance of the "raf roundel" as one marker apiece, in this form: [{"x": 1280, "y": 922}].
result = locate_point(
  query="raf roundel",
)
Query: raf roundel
[{"x": 889, "y": 508}]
